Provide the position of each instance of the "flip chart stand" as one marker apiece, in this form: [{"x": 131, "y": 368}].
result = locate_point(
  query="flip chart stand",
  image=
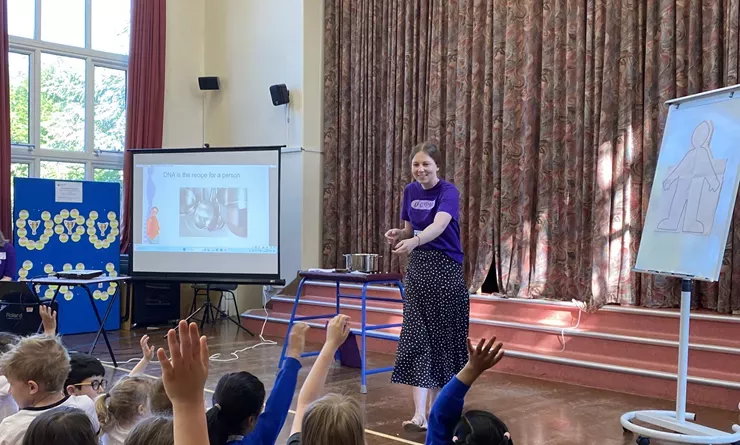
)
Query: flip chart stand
[{"x": 679, "y": 423}]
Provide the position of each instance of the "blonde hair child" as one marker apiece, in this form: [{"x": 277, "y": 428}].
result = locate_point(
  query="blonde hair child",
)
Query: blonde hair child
[
  {"x": 333, "y": 419},
  {"x": 122, "y": 407}
]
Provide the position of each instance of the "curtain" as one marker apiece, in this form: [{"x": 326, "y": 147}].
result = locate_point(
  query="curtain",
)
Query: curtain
[
  {"x": 5, "y": 216},
  {"x": 550, "y": 115},
  {"x": 398, "y": 73},
  {"x": 145, "y": 101}
]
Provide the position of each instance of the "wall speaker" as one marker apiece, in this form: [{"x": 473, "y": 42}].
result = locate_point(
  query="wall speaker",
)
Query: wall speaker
[
  {"x": 280, "y": 94},
  {"x": 208, "y": 83}
]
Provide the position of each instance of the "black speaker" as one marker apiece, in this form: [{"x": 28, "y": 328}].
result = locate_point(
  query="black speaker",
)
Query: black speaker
[
  {"x": 280, "y": 94},
  {"x": 208, "y": 83},
  {"x": 155, "y": 302}
]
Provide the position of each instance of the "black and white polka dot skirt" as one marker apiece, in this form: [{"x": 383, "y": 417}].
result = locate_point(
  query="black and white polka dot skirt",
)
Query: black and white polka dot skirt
[{"x": 432, "y": 347}]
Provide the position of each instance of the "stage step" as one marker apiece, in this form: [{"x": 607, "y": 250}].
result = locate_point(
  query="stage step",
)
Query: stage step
[
  {"x": 613, "y": 349},
  {"x": 706, "y": 327}
]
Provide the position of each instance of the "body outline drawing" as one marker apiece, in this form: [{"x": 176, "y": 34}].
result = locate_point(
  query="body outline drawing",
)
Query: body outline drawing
[{"x": 695, "y": 168}]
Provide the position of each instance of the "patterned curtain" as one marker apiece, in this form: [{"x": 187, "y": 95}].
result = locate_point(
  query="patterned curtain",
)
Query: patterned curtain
[{"x": 550, "y": 114}]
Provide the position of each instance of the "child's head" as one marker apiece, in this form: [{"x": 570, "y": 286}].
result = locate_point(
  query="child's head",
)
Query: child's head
[
  {"x": 237, "y": 402},
  {"x": 159, "y": 401},
  {"x": 124, "y": 404},
  {"x": 85, "y": 377},
  {"x": 35, "y": 368},
  {"x": 481, "y": 427},
  {"x": 7, "y": 341},
  {"x": 61, "y": 425},
  {"x": 155, "y": 430},
  {"x": 333, "y": 419}
]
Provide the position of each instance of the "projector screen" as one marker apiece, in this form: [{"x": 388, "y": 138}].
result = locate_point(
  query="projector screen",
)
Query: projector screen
[{"x": 206, "y": 214}]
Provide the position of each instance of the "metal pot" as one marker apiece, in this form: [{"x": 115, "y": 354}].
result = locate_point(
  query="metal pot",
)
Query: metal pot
[{"x": 362, "y": 262}]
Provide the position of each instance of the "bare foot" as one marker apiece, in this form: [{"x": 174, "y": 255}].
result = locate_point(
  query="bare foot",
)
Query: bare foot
[{"x": 417, "y": 424}]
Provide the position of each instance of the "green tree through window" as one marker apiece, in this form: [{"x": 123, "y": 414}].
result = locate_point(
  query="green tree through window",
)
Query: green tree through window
[{"x": 19, "y": 98}]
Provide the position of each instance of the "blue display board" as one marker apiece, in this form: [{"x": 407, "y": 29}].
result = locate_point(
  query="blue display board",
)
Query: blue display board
[{"x": 65, "y": 225}]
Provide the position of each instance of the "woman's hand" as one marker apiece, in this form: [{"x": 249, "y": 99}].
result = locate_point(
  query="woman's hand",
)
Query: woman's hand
[
  {"x": 393, "y": 235},
  {"x": 406, "y": 246}
]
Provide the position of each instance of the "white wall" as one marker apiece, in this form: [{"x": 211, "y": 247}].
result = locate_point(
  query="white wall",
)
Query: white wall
[
  {"x": 312, "y": 141},
  {"x": 184, "y": 64},
  {"x": 250, "y": 45}
]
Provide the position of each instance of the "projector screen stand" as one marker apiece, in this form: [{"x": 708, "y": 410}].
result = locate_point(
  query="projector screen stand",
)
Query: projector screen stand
[{"x": 209, "y": 309}]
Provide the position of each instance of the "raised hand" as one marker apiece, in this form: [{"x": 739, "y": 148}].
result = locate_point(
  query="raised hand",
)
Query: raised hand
[
  {"x": 146, "y": 350},
  {"x": 337, "y": 331},
  {"x": 297, "y": 340},
  {"x": 184, "y": 374},
  {"x": 48, "y": 319},
  {"x": 482, "y": 357}
]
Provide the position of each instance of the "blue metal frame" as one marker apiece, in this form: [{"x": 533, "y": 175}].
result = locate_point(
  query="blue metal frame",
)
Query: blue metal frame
[{"x": 365, "y": 328}]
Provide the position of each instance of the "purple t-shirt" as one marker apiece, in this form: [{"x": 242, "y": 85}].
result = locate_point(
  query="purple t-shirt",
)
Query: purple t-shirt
[
  {"x": 421, "y": 206},
  {"x": 7, "y": 261}
]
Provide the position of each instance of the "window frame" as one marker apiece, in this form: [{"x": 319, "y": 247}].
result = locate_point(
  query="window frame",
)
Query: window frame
[{"x": 91, "y": 156}]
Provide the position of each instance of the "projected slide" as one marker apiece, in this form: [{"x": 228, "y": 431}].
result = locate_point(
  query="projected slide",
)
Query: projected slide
[
  {"x": 207, "y": 208},
  {"x": 209, "y": 212}
]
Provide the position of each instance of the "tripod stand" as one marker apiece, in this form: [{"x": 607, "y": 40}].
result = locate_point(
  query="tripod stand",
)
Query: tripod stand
[{"x": 211, "y": 311}]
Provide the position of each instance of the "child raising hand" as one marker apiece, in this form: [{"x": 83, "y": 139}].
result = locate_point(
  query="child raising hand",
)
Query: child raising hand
[
  {"x": 184, "y": 376},
  {"x": 48, "y": 319},
  {"x": 447, "y": 425}
]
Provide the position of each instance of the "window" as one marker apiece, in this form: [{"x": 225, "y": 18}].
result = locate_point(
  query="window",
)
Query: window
[
  {"x": 22, "y": 18},
  {"x": 110, "y": 175},
  {"x": 62, "y": 170},
  {"x": 68, "y": 65},
  {"x": 62, "y": 103},
  {"x": 110, "y": 108},
  {"x": 20, "y": 72},
  {"x": 63, "y": 22},
  {"x": 17, "y": 170}
]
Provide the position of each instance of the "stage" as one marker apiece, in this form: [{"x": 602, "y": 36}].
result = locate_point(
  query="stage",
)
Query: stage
[{"x": 538, "y": 412}]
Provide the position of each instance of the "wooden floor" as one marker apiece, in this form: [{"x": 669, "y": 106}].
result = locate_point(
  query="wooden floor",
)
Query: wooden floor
[{"x": 538, "y": 412}]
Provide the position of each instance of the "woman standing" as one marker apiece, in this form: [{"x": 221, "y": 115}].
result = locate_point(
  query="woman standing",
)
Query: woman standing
[
  {"x": 7, "y": 260},
  {"x": 432, "y": 347}
]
